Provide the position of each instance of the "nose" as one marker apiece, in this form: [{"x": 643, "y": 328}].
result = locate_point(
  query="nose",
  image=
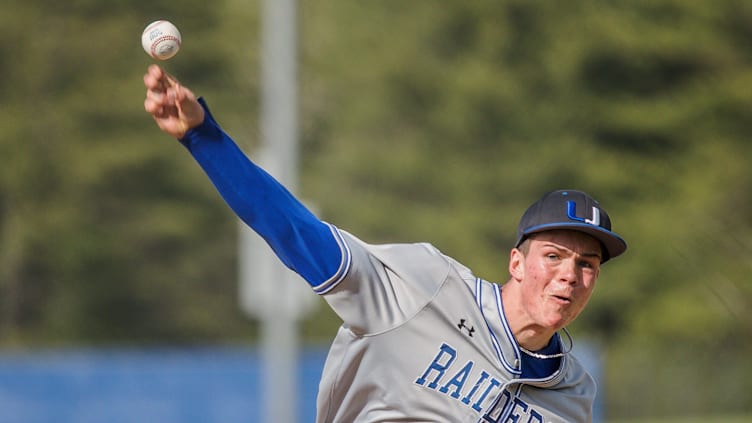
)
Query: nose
[{"x": 568, "y": 271}]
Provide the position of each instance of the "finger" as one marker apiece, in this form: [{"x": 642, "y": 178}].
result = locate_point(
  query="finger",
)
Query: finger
[
  {"x": 178, "y": 95},
  {"x": 157, "y": 112},
  {"x": 157, "y": 79},
  {"x": 155, "y": 70},
  {"x": 169, "y": 80},
  {"x": 188, "y": 107},
  {"x": 153, "y": 82},
  {"x": 156, "y": 99},
  {"x": 153, "y": 107},
  {"x": 159, "y": 104}
]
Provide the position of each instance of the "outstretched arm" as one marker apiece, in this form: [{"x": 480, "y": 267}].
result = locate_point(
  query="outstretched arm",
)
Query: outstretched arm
[{"x": 302, "y": 241}]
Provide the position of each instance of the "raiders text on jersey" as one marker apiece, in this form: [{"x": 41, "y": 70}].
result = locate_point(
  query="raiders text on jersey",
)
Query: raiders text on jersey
[{"x": 476, "y": 388}]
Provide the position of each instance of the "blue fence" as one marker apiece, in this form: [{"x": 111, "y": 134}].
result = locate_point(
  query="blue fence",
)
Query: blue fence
[{"x": 205, "y": 385}]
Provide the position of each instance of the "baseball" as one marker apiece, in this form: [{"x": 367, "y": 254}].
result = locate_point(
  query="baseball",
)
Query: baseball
[{"x": 161, "y": 40}]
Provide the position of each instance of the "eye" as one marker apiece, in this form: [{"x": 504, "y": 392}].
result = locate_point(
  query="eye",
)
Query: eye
[
  {"x": 552, "y": 256},
  {"x": 589, "y": 264}
]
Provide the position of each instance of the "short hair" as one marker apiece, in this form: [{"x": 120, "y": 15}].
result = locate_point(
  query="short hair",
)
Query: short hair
[{"x": 524, "y": 246}]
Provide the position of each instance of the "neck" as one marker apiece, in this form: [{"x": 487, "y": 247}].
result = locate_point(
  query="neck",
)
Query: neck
[
  {"x": 533, "y": 341},
  {"x": 528, "y": 334}
]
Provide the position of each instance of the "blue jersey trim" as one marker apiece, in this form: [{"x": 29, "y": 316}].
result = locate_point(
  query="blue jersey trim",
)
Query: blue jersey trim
[
  {"x": 494, "y": 340},
  {"x": 507, "y": 330},
  {"x": 344, "y": 266}
]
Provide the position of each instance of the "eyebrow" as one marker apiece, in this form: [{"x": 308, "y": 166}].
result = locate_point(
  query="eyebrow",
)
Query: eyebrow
[{"x": 585, "y": 254}]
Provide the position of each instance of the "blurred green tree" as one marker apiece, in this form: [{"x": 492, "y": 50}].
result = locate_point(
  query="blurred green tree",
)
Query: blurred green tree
[{"x": 452, "y": 117}]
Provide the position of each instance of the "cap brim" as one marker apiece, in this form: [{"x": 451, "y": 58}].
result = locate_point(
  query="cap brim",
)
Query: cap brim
[{"x": 613, "y": 244}]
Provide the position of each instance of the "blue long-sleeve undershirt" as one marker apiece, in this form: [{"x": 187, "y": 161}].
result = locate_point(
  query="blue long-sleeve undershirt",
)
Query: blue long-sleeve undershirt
[{"x": 302, "y": 242}]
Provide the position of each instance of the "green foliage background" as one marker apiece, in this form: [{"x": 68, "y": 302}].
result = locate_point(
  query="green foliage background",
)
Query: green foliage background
[{"x": 421, "y": 121}]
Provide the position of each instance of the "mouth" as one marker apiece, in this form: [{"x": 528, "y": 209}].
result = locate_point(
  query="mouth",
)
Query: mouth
[{"x": 561, "y": 299}]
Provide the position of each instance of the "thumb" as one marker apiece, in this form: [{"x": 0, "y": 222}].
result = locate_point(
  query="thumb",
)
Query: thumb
[{"x": 190, "y": 112}]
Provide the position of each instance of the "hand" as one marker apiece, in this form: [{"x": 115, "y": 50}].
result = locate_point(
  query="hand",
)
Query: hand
[{"x": 173, "y": 106}]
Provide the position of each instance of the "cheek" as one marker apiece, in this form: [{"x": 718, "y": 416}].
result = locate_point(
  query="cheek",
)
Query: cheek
[
  {"x": 589, "y": 281},
  {"x": 534, "y": 269},
  {"x": 586, "y": 290},
  {"x": 536, "y": 280}
]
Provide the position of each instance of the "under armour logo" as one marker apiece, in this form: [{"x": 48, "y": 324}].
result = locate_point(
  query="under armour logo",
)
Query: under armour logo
[{"x": 469, "y": 329}]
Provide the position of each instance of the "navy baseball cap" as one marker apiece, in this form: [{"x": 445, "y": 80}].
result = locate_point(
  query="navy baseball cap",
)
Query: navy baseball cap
[{"x": 572, "y": 210}]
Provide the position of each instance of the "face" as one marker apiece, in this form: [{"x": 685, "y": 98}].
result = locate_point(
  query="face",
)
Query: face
[{"x": 557, "y": 275}]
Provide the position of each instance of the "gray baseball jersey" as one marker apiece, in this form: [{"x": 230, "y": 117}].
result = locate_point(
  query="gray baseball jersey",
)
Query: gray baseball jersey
[{"x": 423, "y": 340}]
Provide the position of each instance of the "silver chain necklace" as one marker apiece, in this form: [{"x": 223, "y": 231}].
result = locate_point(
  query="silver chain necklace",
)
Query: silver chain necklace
[{"x": 557, "y": 355}]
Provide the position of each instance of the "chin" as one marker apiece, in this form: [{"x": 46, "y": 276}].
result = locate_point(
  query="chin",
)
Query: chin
[
  {"x": 558, "y": 318},
  {"x": 557, "y": 322}
]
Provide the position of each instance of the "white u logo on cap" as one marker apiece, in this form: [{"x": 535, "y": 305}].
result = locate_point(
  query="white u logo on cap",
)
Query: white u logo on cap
[{"x": 572, "y": 214}]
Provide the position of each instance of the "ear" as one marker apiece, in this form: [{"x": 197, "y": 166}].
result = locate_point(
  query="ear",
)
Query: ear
[{"x": 516, "y": 264}]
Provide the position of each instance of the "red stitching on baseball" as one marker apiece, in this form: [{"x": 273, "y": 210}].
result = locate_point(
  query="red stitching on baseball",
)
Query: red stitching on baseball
[{"x": 156, "y": 42}]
